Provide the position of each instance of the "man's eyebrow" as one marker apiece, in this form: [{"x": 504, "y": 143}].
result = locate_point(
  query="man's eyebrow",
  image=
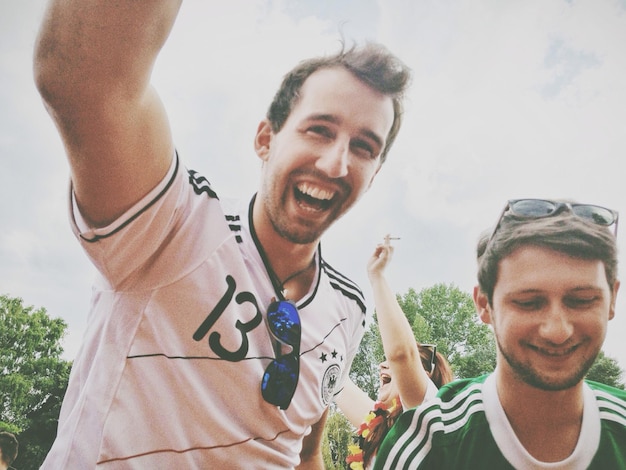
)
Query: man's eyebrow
[
  {"x": 590, "y": 287},
  {"x": 537, "y": 291},
  {"x": 335, "y": 120}
]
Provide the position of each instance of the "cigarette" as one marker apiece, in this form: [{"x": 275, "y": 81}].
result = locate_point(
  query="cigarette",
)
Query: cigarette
[{"x": 394, "y": 238}]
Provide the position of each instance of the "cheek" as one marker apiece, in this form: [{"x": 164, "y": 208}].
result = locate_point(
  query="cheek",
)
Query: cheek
[
  {"x": 507, "y": 327},
  {"x": 363, "y": 175},
  {"x": 597, "y": 327}
]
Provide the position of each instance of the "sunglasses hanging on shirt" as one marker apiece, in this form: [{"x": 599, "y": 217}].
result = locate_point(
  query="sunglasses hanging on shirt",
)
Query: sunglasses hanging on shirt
[{"x": 280, "y": 379}]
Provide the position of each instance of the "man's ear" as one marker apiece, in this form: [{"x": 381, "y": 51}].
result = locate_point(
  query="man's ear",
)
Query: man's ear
[
  {"x": 482, "y": 305},
  {"x": 262, "y": 139},
  {"x": 613, "y": 299}
]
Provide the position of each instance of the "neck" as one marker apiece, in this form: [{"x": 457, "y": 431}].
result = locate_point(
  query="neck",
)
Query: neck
[
  {"x": 289, "y": 264},
  {"x": 547, "y": 423}
]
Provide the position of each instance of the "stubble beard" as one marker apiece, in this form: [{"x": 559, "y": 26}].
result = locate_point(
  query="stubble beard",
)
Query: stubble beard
[
  {"x": 301, "y": 234},
  {"x": 528, "y": 374}
]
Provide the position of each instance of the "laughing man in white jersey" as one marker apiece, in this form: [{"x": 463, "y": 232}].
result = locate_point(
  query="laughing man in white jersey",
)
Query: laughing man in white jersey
[{"x": 218, "y": 333}]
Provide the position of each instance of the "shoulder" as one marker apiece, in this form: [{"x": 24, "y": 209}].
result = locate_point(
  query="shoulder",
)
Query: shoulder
[
  {"x": 437, "y": 426},
  {"x": 343, "y": 285},
  {"x": 200, "y": 184},
  {"x": 611, "y": 402},
  {"x": 462, "y": 389},
  {"x": 601, "y": 389}
]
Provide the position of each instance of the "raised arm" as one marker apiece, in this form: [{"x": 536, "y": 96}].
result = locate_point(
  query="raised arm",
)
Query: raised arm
[
  {"x": 354, "y": 403},
  {"x": 397, "y": 336},
  {"x": 92, "y": 64}
]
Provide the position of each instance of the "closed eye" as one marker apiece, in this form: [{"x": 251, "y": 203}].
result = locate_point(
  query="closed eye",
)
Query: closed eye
[
  {"x": 363, "y": 148},
  {"x": 580, "y": 302},
  {"x": 323, "y": 131},
  {"x": 530, "y": 304}
]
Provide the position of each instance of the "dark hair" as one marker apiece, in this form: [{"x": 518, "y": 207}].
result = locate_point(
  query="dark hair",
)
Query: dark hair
[
  {"x": 8, "y": 445},
  {"x": 372, "y": 63},
  {"x": 440, "y": 375},
  {"x": 564, "y": 233}
]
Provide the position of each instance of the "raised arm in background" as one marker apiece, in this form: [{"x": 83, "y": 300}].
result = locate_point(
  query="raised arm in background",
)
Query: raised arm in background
[
  {"x": 93, "y": 61},
  {"x": 403, "y": 365},
  {"x": 398, "y": 340}
]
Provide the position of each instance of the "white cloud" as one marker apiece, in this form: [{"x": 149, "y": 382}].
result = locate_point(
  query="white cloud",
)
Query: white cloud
[{"x": 509, "y": 99}]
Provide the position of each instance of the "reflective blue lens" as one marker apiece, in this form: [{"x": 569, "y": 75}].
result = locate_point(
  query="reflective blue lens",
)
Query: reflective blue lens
[
  {"x": 281, "y": 376},
  {"x": 284, "y": 323},
  {"x": 280, "y": 380}
]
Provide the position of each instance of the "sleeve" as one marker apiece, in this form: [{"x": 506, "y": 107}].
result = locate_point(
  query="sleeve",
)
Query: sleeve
[
  {"x": 353, "y": 348},
  {"x": 157, "y": 239},
  {"x": 409, "y": 444},
  {"x": 387, "y": 456}
]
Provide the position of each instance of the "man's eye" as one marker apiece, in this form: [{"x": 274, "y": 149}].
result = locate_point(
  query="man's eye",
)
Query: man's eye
[
  {"x": 320, "y": 130},
  {"x": 580, "y": 302},
  {"x": 531, "y": 304},
  {"x": 363, "y": 149}
]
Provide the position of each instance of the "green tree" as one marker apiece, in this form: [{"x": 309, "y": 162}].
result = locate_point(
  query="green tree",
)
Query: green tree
[
  {"x": 364, "y": 370},
  {"x": 443, "y": 315},
  {"x": 33, "y": 377},
  {"x": 446, "y": 316},
  {"x": 338, "y": 434},
  {"x": 606, "y": 370}
]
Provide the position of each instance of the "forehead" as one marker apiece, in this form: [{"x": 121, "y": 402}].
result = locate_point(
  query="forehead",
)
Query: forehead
[
  {"x": 338, "y": 93},
  {"x": 543, "y": 269}
]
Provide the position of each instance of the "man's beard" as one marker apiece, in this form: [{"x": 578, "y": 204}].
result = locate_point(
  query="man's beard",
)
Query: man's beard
[
  {"x": 285, "y": 229},
  {"x": 532, "y": 377}
]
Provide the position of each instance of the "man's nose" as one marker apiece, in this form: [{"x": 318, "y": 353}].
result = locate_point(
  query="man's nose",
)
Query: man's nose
[
  {"x": 556, "y": 326},
  {"x": 334, "y": 159}
]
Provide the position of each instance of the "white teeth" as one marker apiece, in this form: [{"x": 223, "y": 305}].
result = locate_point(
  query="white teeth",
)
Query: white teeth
[
  {"x": 315, "y": 192},
  {"x": 557, "y": 353}
]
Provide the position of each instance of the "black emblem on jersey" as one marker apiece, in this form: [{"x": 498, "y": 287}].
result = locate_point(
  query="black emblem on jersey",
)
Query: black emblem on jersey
[{"x": 329, "y": 382}]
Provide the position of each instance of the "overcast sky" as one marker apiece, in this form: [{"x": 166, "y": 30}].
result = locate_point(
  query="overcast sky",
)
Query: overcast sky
[{"x": 509, "y": 99}]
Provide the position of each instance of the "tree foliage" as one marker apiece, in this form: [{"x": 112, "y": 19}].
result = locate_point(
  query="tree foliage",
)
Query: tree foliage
[
  {"x": 33, "y": 377},
  {"x": 606, "y": 370},
  {"x": 446, "y": 316},
  {"x": 364, "y": 370},
  {"x": 338, "y": 434}
]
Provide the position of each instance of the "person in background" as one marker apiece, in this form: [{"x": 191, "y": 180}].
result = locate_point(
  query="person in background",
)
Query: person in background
[
  {"x": 8, "y": 449},
  {"x": 220, "y": 323},
  {"x": 411, "y": 374},
  {"x": 547, "y": 285}
]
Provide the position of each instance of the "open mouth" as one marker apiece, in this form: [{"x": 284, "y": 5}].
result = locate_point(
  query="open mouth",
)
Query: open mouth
[
  {"x": 312, "y": 197},
  {"x": 385, "y": 379}
]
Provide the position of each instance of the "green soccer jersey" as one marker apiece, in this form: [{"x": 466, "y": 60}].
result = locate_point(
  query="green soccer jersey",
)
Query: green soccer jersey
[{"x": 465, "y": 427}]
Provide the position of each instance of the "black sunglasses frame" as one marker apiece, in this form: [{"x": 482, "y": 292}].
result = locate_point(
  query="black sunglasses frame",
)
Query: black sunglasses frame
[
  {"x": 433, "y": 354},
  {"x": 557, "y": 208}
]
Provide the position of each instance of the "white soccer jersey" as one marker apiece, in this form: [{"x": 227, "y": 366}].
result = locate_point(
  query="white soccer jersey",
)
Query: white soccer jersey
[{"x": 169, "y": 374}]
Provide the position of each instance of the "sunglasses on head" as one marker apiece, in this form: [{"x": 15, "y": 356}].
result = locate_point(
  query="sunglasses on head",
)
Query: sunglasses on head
[
  {"x": 540, "y": 208},
  {"x": 281, "y": 376}
]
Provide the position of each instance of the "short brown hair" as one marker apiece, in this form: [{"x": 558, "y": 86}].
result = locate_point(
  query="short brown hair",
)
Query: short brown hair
[
  {"x": 372, "y": 63},
  {"x": 564, "y": 233}
]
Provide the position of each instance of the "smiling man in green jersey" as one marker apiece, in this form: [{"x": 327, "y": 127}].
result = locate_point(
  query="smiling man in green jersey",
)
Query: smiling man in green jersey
[{"x": 547, "y": 279}]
